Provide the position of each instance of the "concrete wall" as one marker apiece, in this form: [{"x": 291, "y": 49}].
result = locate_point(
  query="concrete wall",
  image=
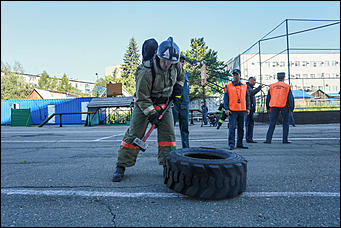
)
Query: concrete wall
[{"x": 313, "y": 117}]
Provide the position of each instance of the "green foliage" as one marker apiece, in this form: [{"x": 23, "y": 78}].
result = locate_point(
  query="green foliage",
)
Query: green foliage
[
  {"x": 102, "y": 83},
  {"x": 65, "y": 85},
  {"x": 131, "y": 61},
  {"x": 14, "y": 87},
  {"x": 216, "y": 74},
  {"x": 44, "y": 81}
]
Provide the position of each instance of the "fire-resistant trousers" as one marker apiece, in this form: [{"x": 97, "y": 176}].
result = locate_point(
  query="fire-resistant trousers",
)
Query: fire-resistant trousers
[{"x": 127, "y": 154}]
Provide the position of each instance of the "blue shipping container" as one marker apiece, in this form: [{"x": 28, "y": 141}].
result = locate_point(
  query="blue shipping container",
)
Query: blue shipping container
[{"x": 42, "y": 109}]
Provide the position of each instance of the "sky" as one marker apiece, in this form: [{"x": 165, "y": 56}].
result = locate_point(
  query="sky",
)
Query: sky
[{"x": 82, "y": 38}]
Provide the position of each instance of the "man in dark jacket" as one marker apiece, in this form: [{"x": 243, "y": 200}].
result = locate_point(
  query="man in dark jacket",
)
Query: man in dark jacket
[
  {"x": 181, "y": 109},
  {"x": 249, "y": 121}
]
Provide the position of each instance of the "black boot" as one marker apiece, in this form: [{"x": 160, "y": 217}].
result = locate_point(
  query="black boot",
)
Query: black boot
[{"x": 118, "y": 174}]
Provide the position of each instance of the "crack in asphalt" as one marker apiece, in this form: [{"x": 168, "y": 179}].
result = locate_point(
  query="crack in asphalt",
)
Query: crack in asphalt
[{"x": 110, "y": 211}]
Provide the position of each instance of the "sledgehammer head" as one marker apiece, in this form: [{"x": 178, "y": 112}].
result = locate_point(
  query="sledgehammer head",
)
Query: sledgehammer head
[{"x": 138, "y": 142}]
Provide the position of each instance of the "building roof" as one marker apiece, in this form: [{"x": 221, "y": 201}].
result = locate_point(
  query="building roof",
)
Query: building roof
[
  {"x": 299, "y": 94},
  {"x": 103, "y": 102},
  {"x": 333, "y": 94},
  {"x": 51, "y": 94}
]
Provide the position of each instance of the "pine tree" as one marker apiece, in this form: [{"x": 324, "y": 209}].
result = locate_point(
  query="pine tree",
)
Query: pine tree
[
  {"x": 198, "y": 55},
  {"x": 131, "y": 61},
  {"x": 65, "y": 85}
]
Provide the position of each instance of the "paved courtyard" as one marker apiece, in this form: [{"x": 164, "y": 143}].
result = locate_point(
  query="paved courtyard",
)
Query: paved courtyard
[{"x": 61, "y": 176}]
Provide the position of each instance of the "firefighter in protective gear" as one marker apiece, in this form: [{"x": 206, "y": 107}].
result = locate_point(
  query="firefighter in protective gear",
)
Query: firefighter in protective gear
[
  {"x": 236, "y": 104},
  {"x": 151, "y": 99},
  {"x": 221, "y": 115},
  {"x": 279, "y": 100}
]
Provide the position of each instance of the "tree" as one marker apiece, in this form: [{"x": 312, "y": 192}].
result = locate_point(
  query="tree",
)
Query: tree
[
  {"x": 216, "y": 75},
  {"x": 65, "y": 85},
  {"x": 44, "y": 81},
  {"x": 17, "y": 67},
  {"x": 131, "y": 61},
  {"x": 54, "y": 83},
  {"x": 14, "y": 87}
]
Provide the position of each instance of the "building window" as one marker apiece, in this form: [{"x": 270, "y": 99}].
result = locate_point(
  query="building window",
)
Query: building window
[
  {"x": 16, "y": 106},
  {"x": 298, "y": 75},
  {"x": 313, "y": 63},
  {"x": 297, "y": 63},
  {"x": 304, "y": 63},
  {"x": 274, "y": 64},
  {"x": 304, "y": 76},
  {"x": 319, "y": 75},
  {"x": 282, "y": 64},
  {"x": 326, "y": 63},
  {"x": 312, "y": 75}
]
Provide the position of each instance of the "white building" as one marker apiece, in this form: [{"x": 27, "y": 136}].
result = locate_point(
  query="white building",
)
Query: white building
[
  {"x": 310, "y": 72},
  {"x": 85, "y": 87}
]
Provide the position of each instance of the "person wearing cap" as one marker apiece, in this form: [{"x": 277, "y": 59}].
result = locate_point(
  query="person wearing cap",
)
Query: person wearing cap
[
  {"x": 181, "y": 109},
  {"x": 152, "y": 98},
  {"x": 236, "y": 105},
  {"x": 249, "y": 121},
  {"x": 279, "y": 100}
]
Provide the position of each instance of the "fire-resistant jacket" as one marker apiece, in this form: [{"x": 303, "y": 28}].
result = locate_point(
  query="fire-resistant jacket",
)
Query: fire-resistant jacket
[
  {"x": 280, "y": 96},
  {"x": 162, "y": 86},
  {"x": 231, "y": 97}
]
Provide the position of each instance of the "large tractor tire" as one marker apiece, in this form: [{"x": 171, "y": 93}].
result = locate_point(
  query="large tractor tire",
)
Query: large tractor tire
[{"x": 205, "y": 173}]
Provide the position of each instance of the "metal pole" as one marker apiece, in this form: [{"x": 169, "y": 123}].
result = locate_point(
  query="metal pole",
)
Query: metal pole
[
  {"x": 260, "y": 63},
  {"x": 260, "y": 75},
  {"x": 97, "y": 85},
  {"x": 286, "y": 25}
]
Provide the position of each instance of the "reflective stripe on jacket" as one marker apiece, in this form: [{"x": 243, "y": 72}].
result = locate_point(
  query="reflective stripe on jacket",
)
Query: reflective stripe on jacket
[
  {"x": 237, "y": 97},
  {"x": 279, "y": 94}
]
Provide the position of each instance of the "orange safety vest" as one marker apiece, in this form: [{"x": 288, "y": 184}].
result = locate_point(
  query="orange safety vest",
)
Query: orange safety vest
[
  {"x": 237, "y": 93},
  {"x": 279, "y": 94}
]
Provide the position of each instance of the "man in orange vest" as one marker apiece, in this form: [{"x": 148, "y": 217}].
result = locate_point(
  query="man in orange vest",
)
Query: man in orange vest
[
  {"x": 279, "y": 99},
  {"x": 236, "y": 104}
]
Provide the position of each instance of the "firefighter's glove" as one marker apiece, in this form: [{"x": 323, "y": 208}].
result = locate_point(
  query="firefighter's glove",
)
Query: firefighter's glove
[
  {"x": 177, "y": 92},
  {"x": 154, "y": 119}
]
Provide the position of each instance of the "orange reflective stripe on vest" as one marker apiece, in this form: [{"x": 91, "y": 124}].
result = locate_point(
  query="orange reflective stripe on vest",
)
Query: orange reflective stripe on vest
[
  {"x": 166, "y": 144},
  {"x": 237, "y": 93},
  {"x": 279, "y": 94},
  {"x": 127, "y": 145}
]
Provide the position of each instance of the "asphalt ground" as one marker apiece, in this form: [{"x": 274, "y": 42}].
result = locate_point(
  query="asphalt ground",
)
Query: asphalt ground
[{"x": 61, "y": 176}]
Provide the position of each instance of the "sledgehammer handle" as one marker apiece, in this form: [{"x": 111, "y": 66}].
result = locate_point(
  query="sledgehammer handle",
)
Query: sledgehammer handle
[{"x": 145, "y": 137}]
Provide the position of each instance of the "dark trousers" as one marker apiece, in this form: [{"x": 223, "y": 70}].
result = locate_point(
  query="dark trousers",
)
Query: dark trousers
[
  {"x": 181, "y": 114},
  {"x": 236, "y": 119},
  {"x": 273, "y": 115},
  {"x": 249, "y": 124}
]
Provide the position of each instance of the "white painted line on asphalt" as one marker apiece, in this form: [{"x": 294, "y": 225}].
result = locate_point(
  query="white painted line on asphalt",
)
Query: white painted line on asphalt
[
  {"x": 155, "y": 194},
  {"x": 152, "y": 140},
  {"x": 107, "y": 137},
  {"x": 56, "y": 131}
]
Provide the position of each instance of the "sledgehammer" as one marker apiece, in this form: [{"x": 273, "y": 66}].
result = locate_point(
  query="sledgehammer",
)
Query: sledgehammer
[{"x": 141, "y": 143}]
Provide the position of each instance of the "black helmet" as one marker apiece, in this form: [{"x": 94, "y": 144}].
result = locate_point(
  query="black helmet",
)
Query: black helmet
[{"x": 168, "y": 50}]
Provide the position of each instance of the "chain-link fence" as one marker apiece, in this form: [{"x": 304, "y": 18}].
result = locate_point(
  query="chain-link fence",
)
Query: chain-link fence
[{"x": 307, "y": 50}]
